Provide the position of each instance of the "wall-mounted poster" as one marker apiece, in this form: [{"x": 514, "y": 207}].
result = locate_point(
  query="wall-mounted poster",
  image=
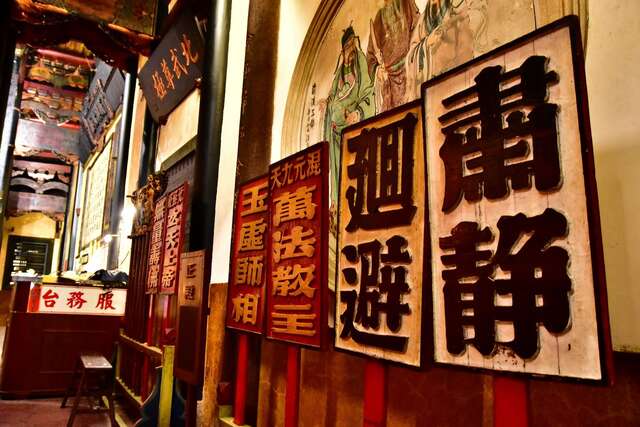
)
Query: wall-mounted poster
[
  {"x": 95, "y": 196},
  {"x": 248, "y": 273},
  {"x": 517, "y": 266},
  {"x": 381, "y": 237},
  {"x": 298, "y": 247}
]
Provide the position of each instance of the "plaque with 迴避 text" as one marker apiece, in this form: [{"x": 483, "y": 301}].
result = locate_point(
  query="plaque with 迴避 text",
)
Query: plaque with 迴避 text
[
  {"x": 381, "y": 237},
  {"x": 298, "y": 248},
  {"x": 245, "y": 300},
  {"x": 517, "y": 268}
]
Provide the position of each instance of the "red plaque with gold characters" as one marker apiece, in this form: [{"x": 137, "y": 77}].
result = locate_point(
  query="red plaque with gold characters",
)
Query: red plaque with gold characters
[
  {"x": 298, "y": 247},
  {"x": 175, "y": 218},
  {"x": 155, "y": 247},
  {"x": 245, "y": 299}
]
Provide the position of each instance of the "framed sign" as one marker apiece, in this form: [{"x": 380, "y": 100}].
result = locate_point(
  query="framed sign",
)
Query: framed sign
[
  {"x": 245, "y": 301},
  {"x": 298, "y": 248},
  {"x": 381, "y": 237},
  {"x": 191, "y": 306},
  {"x": 95, "y": 196},
  {"x": 167, "y": 236},
  {"x": 158, "y": 230},
  {"x": 174, "y": 68},
  {"x": 78, "y": 300},
  {"x": 518, "y": 275}
]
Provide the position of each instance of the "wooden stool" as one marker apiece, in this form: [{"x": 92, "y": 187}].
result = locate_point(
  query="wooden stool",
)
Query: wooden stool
[{"x": 91, "y": 366}]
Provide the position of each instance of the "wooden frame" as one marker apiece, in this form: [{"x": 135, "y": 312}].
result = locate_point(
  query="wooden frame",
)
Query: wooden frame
[{"x": 586, "y": 148}]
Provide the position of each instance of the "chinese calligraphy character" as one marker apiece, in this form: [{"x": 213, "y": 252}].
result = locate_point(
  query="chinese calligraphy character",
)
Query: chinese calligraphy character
[
  {"x": 105, "y": 301},
  {"x": 178, "y": 67},
  {"x": 299, "y": 243},
  {"x": 390, "y": 280},
  {"x": 75, "y": 300},
  {"x": 191, "y": 270},
  {"x": 50, "y": 298},
  {"x": 382, "y": 183},
  {"x": 294, "y": 322},
  {"x": 187, "y": 53},
  {"x": 158, "y": 85},
  {"x": 168, "y": 75},
  {"x": 313, "y": 162},
  {"x": 254, "y": 200},
  {"x": 494, "y": 154},
  {"x": 190, "y": 292},
  {"x": 537, "y": 270},
  {"x": 295, "y": 205},
  {"x": 294, "y": 281},
  {"x": 245, "y": 308},
  {"x": 251, "y": 235},
  {"x": 249, "y": 271}
]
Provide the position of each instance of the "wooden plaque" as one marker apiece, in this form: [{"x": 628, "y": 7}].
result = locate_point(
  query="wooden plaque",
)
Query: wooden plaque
[
  {"x": 245, "y": 300},
  {"x": 381, "y": 237},
  {"x": 298, "y": 248},
  {"x": 518, "y": 274},
  {"x": 175, "y": 219}
]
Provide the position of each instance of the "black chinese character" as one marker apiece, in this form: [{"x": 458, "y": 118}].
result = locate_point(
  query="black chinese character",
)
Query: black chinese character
[
  {"x": 493, "y": 154},
  {"x": 364, "y": 306},
  {"x": 393, "y": 170},
  {"x": 538, "y": 282}
]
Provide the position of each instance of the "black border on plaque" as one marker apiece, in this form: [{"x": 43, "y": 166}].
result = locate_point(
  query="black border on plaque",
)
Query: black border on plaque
[
  {"x": 232, "y": 262},
  {"x": 324, "y": 259},
  {"x": 425, "y": 331},
  {"x": 571, "y": 22}
]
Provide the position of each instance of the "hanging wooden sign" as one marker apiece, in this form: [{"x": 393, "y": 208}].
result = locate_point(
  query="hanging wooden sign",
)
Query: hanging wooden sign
[
  {"x": 518, "y": 276},
  {"x": 245, "y": 300},
  {"x": 381, "y": 237},
  {"x": 176, "y": 216},
  {"x": 298, "y": 247},
  {"x": 155, "y": 246},
  {"x": 167, "y": 236},
  {"x": 174, "y": 68}
]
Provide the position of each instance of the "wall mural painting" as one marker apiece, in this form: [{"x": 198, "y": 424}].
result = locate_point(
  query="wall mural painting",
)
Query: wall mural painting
[{"x": 374, "y": 55}]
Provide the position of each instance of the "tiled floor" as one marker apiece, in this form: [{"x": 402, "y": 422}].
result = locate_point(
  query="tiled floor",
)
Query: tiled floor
[{"x": 47, "y": 413}]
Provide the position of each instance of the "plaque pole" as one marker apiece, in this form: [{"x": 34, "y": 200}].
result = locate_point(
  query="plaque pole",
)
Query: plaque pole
[
  {"x": 375, "y": 394},
  {"x": 293, "y": 386},
  {"x": 241, "y": 380},
  {"x": 510, "y": 402}
]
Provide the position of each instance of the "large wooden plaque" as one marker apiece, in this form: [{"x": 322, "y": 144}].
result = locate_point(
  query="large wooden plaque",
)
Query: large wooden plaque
[
  {"x": 381, "y": 237},
  {"x": 518, "y": 275},
  {"x": 298, "y": 248},
  {"x": 245, "y": 300}
]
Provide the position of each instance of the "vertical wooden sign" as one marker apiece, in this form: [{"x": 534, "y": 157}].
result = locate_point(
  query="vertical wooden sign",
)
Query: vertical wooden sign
[
  {"x": 176, "y": 216},
  {"x": 298, "y": 248},
  {"x": 518, "y": 274},
  {"x": 245, "y": 301},
  {"x": 189, "y": 347},
  {"x": 381, "y": 237},
  {"x": 156, "y": 245}
]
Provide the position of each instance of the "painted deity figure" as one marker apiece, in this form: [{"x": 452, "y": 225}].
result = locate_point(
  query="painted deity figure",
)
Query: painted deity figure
[
  {"x": 350, "y": 100},
  {"x": 449, "y": 33},
  {"x": 389, "y": 38}
]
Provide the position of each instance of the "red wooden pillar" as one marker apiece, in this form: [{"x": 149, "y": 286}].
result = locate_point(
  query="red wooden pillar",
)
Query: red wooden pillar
[
  {"x": 375, "y": 394},
  {"x": 241, "y": 380},
  {"x": 293, "y": 386},
  {"x": 510, "y": 402}
]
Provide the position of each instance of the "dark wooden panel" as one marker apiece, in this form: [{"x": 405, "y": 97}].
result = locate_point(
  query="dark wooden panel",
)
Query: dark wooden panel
[{"x": 41, "y": 349}]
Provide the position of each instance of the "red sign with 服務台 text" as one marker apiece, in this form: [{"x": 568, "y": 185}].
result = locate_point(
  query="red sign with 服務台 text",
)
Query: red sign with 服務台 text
[{"x": 298, "y": 247}]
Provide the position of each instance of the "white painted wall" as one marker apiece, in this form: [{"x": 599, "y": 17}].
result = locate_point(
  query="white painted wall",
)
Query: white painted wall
[
  {"x": 613, "y": 80},
  {"x": 295, "y": 18},
  {"x": 229, "y": 151}
]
